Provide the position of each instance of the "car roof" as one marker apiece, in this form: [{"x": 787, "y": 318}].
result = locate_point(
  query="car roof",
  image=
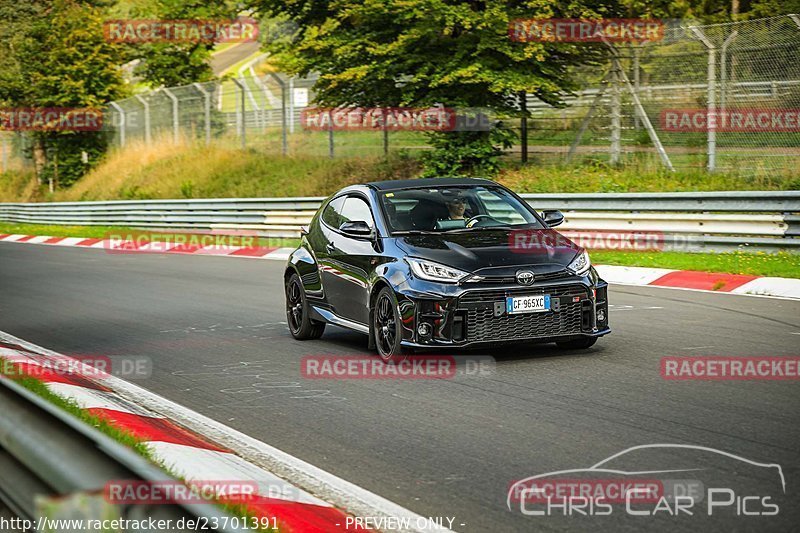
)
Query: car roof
[{"x": 393, "y": 185}]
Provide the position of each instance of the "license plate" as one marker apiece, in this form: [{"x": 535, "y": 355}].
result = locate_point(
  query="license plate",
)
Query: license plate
[{"x": 527, "y": 304}]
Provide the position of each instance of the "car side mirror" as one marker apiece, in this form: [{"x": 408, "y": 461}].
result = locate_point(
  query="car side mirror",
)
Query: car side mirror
[
  {"x": 356, "y": 228},
  {"x": 553, "y": 218}
]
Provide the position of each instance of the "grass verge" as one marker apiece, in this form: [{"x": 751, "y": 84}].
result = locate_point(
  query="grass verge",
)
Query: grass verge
[
  {"x": 782, "y": 264},
  {"x": 99, "y": 232},
  {"x": 223, "y": 170}
]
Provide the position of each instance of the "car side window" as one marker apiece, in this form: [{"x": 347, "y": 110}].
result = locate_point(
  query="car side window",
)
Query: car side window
[
  {"x": 332, "y": 215},
  {"x": 356, "y": 208}
]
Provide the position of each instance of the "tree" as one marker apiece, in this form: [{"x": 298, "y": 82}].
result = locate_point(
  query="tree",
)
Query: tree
[
  {"x": 54, "y": 54},
  {"x": 427, "y": 52},
  {"x": 177, "y": 63}
]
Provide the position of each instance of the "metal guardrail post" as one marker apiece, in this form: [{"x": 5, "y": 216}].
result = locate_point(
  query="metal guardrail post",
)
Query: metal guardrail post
[
  {"x": 146, "y": 106},
  {"x": 241, "y": 106},
  {"x": 206, "y": 110},
  {"x": 175, "y": 120}
]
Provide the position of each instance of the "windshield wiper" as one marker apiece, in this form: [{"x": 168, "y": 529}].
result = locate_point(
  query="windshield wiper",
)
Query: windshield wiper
[
  {"x": 415, "y": 232},
  {"x": 475, "y": 228}
]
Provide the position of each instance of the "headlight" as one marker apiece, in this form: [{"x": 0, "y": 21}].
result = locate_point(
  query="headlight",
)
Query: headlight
[
  {"x": 434, "y": 271},
  {"x": 581, "y": 264}
]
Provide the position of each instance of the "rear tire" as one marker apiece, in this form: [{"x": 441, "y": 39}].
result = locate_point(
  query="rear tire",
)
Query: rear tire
[
  {"x": 577, "y": 344},
  {"x": 386, "y": 328},
  {"x": 301, "y": 326}
]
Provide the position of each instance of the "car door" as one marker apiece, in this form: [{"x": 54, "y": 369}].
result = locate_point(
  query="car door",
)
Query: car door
[
  {"x": 324, "y": 248},
  {"x": 352, "y": 259}
]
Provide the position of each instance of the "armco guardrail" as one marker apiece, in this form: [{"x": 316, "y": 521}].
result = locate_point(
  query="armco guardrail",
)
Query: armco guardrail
[
  {"x": 708, "y": 220},
  {"x": 46, "y": 456}
]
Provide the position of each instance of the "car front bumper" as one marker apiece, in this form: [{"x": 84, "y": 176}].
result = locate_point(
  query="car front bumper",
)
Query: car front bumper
[{"x": 474, "y": 315}]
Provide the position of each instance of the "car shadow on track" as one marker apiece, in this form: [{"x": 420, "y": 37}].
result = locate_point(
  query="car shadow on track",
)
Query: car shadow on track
[{"x": 344, "y": 341}]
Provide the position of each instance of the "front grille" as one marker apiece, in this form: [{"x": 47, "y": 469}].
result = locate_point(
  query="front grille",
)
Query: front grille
[
  {"x": 483, "y": 325},
  {"x": 500, "y": 294}
]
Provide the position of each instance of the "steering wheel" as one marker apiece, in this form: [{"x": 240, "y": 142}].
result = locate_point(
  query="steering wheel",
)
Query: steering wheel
[{"x": 474, "y": 220}]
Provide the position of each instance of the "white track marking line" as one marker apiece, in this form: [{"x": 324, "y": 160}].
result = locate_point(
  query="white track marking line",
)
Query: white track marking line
[{"x": 341, "y": 493}]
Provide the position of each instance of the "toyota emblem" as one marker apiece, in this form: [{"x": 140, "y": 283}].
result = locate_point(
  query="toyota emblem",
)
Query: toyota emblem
[{"x": 524, "y": 277}]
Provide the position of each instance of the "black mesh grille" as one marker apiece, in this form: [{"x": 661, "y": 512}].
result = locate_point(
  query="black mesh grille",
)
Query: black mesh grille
[
  {"x": 500, "y": 294},
  {"x": 483, "y": 325}
]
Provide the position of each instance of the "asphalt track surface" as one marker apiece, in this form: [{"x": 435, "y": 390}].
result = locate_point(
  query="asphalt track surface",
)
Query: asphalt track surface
[
  {"x": 222, "y": 61},
  {"x": 215, "y": 330}
]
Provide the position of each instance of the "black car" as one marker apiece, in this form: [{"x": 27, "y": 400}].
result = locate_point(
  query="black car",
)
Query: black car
[{"x": 443, "y": 262}]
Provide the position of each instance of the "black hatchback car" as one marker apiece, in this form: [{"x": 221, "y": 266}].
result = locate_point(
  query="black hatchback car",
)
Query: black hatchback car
[{"x": 443, "y": 262}]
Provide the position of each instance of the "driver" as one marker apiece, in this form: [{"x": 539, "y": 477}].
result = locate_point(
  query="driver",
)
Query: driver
[{"x": 456, "y": 206}]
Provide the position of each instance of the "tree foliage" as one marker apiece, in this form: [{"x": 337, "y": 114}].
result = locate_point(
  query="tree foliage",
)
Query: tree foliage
[{"x": 54, "y": 54}]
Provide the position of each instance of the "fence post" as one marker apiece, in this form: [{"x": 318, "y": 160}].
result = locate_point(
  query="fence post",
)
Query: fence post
[
  {"x": 711, "y": 114},
  {"x": 176, "y": 133},
  {"x": 637, "y": 104},
  {"x": 121, "y": 122},
  {"x": 146, "y": 106},
  {"x": 637, "y": 50},
  {"x": 523, "y": 126},
  {"x": 573, "y": 148},
  {"x": 243, "y": 122},
  {"x": 723, "y": 70},
  {"x": 284, "y": 139},
  {"x": 291, "y": 104},
  {"x": 206, "y": 110},
  {"x": 616, "y": 126},
  {"x": 330, "y": 135},
  {"x": 5, "y": 153}
]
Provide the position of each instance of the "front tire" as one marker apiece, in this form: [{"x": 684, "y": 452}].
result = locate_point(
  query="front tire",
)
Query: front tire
[
  {"x": 297, "y": 312},
  {"x": 386, "y": 327},
  {"x": 577, "y": 344}
]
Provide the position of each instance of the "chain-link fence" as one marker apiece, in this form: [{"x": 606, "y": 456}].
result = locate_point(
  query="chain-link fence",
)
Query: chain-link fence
[
  {"x": 258, "y": 112},
  {"x": 721, "y": 97},
  {"x": 717, "y": 97}
]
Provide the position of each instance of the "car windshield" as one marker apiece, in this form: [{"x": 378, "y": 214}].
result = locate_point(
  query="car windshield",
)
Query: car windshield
[{"x": 454, "y": 209}]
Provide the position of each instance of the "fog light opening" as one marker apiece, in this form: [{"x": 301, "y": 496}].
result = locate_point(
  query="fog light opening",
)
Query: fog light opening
[
  {"x": 601, "y": 315},
  {"x": 424, "y": 330}
]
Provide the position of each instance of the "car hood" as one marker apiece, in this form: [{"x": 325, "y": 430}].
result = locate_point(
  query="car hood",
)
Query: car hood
[{"x": 495, "y": 252}]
